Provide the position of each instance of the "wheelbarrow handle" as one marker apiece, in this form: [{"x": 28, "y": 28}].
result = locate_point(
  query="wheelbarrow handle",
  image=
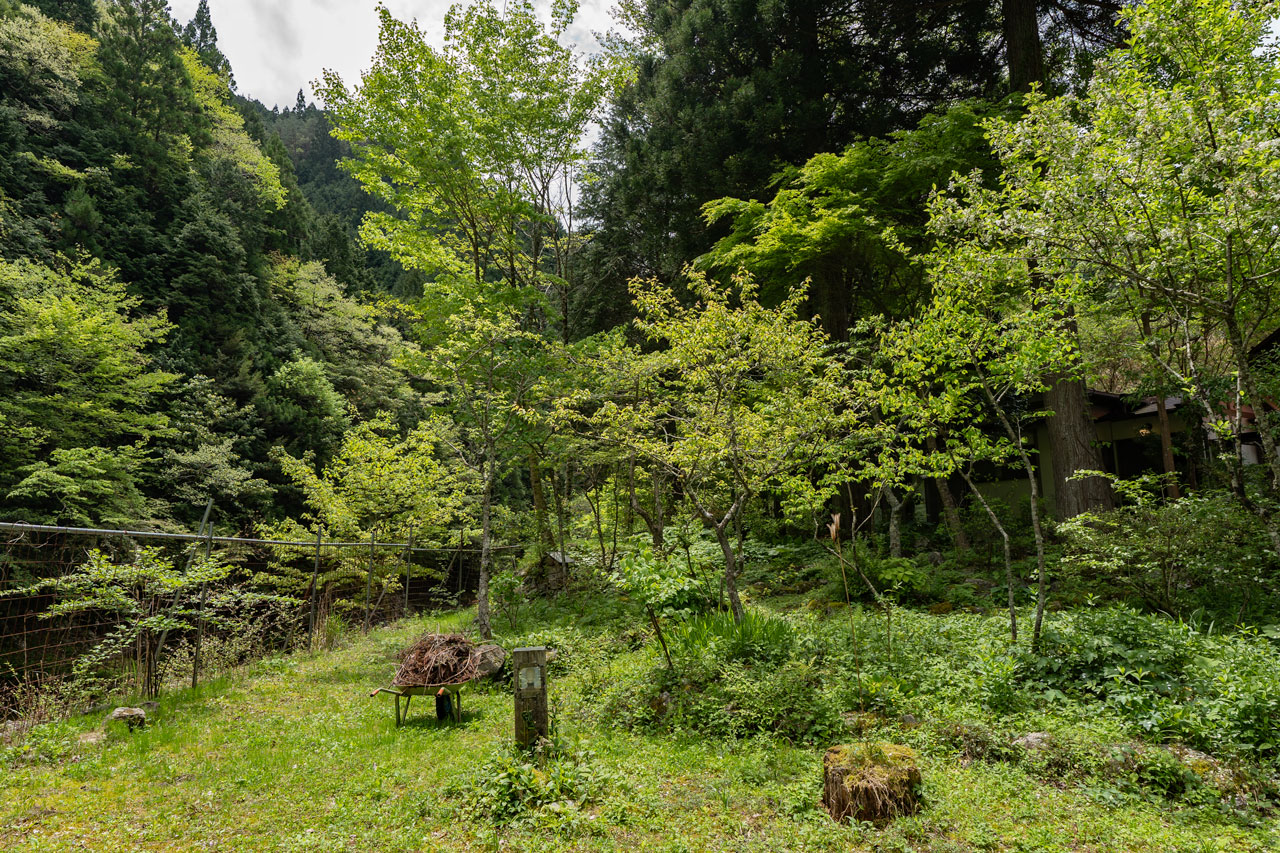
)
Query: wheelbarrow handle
[{"x": 386, "y": 690}]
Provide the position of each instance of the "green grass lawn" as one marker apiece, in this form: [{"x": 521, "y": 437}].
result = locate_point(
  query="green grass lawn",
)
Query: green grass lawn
[{"x": 293, "y": 754}]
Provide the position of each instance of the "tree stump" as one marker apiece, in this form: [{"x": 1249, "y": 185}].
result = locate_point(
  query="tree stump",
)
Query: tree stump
[{"x": 873, "y": 782}]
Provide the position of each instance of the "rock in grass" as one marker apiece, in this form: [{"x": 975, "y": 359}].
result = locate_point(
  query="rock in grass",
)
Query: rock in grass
[
  {"x": 1034, "y": 741},
  {"x": 134, "y": 718},
  {"x": 873, "y": 782},
  {"x": 490, "y": 659}
]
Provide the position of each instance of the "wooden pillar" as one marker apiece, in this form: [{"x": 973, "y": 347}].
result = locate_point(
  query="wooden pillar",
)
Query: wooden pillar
[{"x": 530, "y": 668}]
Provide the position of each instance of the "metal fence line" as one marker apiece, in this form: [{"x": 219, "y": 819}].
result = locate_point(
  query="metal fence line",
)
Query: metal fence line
[
  {"x": 34, "y": 647},
  {"x": 228, "y": 540}
]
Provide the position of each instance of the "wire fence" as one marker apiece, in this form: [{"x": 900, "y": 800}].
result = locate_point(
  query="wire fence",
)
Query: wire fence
[{"x": 297, "y": 592}]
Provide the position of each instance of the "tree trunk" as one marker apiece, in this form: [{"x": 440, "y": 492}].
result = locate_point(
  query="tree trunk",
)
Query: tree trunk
[
  {"x": 653, "y": 520},
  {"x": 1262, "y": 421},
  {"x": 483, "y": 623},
  {"x": 1261, "y": 417},
  {"x": 561, "y": 520},
  {"x": 555, "y": 580},
  {"x": 598, "y": 523},
  {"x": 1171, "y": 488},
  {"x": 1072, "y": 439},
  {"x": 1073, "y": 447},
  {"x": 950, "y": 507},
  {"x": 895, "y": 522},
  {"x": 1042, "y": 575},
  {"x": 617, "y": 514},
  {"x": 730, "y": 569},
  {"x": 1023, "y": 55}
]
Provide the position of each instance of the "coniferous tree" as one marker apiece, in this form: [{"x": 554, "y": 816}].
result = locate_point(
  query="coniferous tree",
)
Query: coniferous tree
[
  {"x": 144, "y": 122},
  {"x": 148, "y": 89},
  {"x": 727, "y": 94},
  {"x": 81, "y": 14},
  {"x": 1072, "y": 438},
  {"x": 293, "y": 221},
  {"x": 42, "y": 68},
  {"x": 202, "y": 37}
]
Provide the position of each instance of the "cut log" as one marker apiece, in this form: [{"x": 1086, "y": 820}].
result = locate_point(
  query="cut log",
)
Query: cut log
[{"x": 872, "y": 782}]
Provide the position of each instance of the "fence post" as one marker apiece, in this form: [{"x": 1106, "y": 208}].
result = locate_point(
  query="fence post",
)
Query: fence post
[
  {"x": 408, "y": 569},
  {"x": 315, "y": 579},
  {"x": 368, "y": 587},
  {"x": 461, "y": 564},
  {"x": 195, "y": 664}
]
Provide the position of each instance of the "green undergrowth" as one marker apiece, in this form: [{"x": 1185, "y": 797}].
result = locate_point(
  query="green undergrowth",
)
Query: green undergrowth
[{"x": 1077, "y": 748}]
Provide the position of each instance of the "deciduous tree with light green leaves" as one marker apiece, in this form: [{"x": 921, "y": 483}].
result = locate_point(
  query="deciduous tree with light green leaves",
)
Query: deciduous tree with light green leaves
[
  {"x": 851, "y": 222},
  {"x": 148, "y": 595},
  {"x": 77, "y": 393},
  {"x": 1160, "y": 189},
  {"x": 474, "y": 147},
  {"x": 382, "y": 480},
  {"x": 964, "y": 370},
  {"x": 740, "y": 399}
]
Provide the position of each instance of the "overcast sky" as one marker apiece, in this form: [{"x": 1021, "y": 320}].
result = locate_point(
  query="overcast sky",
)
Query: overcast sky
[{"x": 279, "y": 46}]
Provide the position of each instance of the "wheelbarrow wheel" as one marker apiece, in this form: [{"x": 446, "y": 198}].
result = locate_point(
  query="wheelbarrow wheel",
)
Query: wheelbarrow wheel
[{"x": 444, "y": 706}]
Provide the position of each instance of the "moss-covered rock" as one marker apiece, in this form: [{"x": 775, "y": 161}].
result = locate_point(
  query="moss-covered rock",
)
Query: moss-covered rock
[{"x": 873, "y": 782}]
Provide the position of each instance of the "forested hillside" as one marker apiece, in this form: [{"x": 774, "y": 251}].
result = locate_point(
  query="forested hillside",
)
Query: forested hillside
[{"x": 177, "y": 299}]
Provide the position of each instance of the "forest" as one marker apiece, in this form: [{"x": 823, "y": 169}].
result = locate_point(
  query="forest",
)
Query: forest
[{"x": 802, "y": 373}]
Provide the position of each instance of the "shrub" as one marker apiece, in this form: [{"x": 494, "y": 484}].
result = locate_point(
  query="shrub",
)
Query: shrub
[
  {"x": 43, "y": 744},
  {"x": 1160, "y": 772},
  {"x": 785, "y": 567},
  {"x": 1165, "y": 678},
  {"x": 1200, "y": 551},
  {"x": 976, "y": 742},
  {"x": 148, "y": 595},
  {"x": 547, "y": 786},
  {"x": 669, "y": 589},
  {"x": 896, "y": 577},
  {"x": 732, "y": 680},
  {"x": 506, "y": 593}
]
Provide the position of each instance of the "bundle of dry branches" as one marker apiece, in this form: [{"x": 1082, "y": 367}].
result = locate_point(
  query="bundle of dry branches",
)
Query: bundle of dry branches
[{"x": 437, "y": 659}]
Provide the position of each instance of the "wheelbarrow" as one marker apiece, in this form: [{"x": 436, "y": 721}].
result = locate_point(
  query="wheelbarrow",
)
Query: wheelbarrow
[{"x": 448, "y": 699}]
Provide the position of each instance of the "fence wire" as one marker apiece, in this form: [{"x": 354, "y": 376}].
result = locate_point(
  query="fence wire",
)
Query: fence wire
[{"x": 313, "y": 586}]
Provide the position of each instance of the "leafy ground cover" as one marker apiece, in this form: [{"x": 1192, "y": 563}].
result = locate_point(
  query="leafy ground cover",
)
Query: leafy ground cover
[{"x": 292, "y": 754}]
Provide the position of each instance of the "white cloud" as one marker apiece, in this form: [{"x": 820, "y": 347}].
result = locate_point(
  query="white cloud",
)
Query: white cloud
[{"x": 279, "y": 46}]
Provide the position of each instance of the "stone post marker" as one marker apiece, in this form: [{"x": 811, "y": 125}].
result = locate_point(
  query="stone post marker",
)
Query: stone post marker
[{"x": 530, "y": 668}]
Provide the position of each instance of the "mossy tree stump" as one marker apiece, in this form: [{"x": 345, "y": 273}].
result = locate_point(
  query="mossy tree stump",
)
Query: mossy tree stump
[{"x": 873, "y": 782}]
